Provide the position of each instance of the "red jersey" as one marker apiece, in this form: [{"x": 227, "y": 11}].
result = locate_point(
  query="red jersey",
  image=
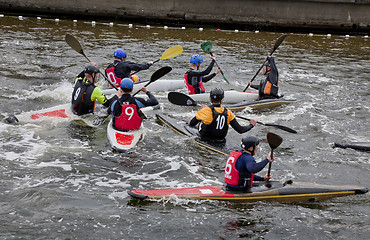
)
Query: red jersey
[{"x": 129, "y": 118}]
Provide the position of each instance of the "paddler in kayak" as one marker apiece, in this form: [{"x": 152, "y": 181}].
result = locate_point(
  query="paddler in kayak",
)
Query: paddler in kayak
[
  {"x": 85, "y": 93},
  {"x": 126, "y": 110},
  {"x": 269, "y": 87},
  {"x": 241, "y": 166},
  {"x": 194, "y": 78},
  {"x": 120, "y": 68},
  {"x": 214, "y": 120}
]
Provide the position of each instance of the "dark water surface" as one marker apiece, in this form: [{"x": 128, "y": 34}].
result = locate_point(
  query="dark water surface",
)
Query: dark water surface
[{"x": 61, "y": 180}]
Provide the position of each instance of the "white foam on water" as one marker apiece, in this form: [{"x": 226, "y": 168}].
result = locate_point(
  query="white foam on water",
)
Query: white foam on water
[
  {"x": 62, "y": 92},
  {"x": 77, "y": 182},
  {"x": 32, "y": 146},
  {"x": 32, "y": 183},
  {"x": 56, "y": 163}
]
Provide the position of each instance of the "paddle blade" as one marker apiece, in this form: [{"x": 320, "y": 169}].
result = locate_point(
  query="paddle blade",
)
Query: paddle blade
[
  {"x": 278, "y": 42},
  {"x": 98, "y": 121},
  {"x": 181, "y": 99},
  {"x": 206, "y": 46},
  {"x": 274, "y": 140},
  {"x": 156, "y": 75},
  {"x": 223, "y": 75},
  {"x": 171, "y": 52},
  {"x": 160, "y": 73},
  {"x": 74, "y": 43}
]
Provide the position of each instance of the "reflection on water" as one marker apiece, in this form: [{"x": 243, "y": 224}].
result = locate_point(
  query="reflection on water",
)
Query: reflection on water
[{"x": 62, "y": 180}]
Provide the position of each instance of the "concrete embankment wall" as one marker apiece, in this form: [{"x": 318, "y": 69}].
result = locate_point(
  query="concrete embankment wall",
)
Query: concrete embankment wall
[{"x": 328, "y": 15}]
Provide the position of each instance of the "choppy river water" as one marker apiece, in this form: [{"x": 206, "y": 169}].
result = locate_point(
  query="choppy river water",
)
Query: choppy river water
[{"x": 61, "y": 180}]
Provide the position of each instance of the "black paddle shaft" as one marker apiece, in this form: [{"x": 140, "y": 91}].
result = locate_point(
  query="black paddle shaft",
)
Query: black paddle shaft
[
  {"x": 269, "y": 169},
  {"x": 284, "y": 128}
]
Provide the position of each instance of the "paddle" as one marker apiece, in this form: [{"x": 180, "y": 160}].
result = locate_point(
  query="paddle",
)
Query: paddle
[
  {"x": 155, "y": 76},
  {"x": 169, "y": 53},
  {"x": 75, "y": 44},
  {"x": 284, "y": 128},
  {"x": 274, "y": 141},
  {"x": 207, "y": 47},
  {"x": 277, "y": 44},
  {"x": 181, "y": 99}
]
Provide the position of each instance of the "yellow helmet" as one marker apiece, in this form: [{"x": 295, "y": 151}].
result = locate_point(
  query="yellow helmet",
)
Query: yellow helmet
[{"x": 135, "y": 78}]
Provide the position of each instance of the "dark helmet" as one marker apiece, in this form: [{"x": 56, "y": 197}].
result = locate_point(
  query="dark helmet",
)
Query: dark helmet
[
  {"x": 267, "y": 63},
  {"x": 119, "y": 53},
  {"x": 127, "y": 84},
  {"x": 90, "y": 69},
  {"x": 216, "y": 93},
  {"x": 249, "y": 141},
  {"x": 196, "y": 59}
]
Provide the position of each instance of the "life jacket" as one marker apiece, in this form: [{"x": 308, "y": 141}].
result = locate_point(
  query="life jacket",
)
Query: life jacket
[
  {"x": 270, "y": 87},
  {"x": 218, "y": 128},
  {"x": 195, "y": 85},
  {"x": 235, "y": 177},
  {"x": 81, "y": 97},
  {"x": 111, "y": 74},
  {"x": 129, "y": 118}
]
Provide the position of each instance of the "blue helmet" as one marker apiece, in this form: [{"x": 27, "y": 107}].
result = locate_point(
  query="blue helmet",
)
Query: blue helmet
[
  {"x": 127, "y": 84},
  {"x": 119, "y": 53},
  {"x": 196, "y": 59}
]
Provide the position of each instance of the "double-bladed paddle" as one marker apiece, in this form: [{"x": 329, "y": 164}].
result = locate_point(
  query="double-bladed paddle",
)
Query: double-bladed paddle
[
  {"x": 207, "y": 47},
  {"x": 277, "y": 44},
  {"x": 274, "y": 141},
  {"x": 155, "y": 76},
  {"x": 169, "y": 53},
  {"x": 75, "y": 44},
  {"x": 181, "y": 99}
]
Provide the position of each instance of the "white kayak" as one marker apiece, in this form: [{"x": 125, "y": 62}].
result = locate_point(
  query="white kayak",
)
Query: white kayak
[
  {"x": 60, "y": 113},
  {"x": 121, "y": 140},
  {"x": 231, "y": 96},
  {"x": 160, "y": 85}
]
